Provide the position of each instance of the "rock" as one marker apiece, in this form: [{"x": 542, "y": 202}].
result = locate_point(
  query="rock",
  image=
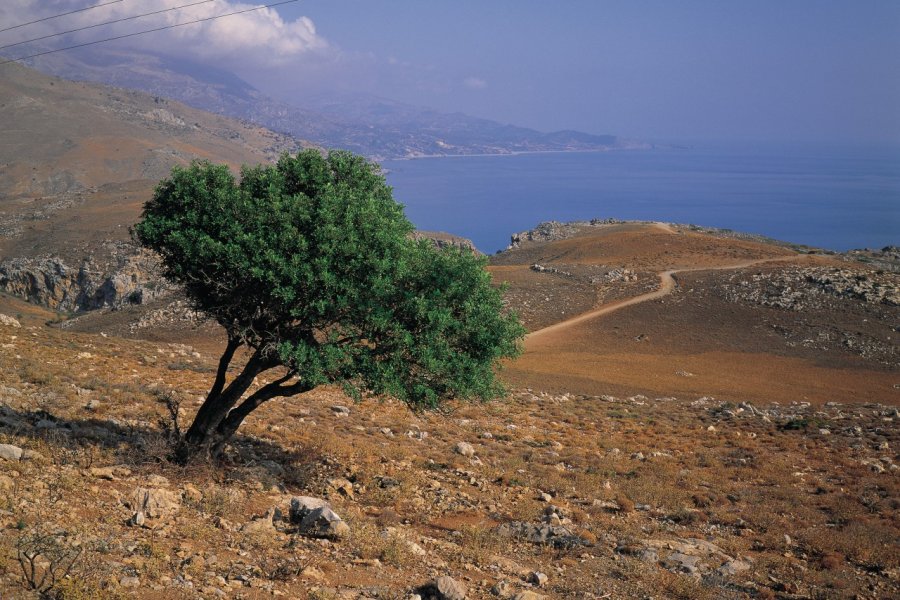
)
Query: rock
[
  {"x": 501, "y": 588},
  {"x": 7, "y": 483},
  {"x": 528, "y": 595},
  {"x": 154, "y": 503},
  {"x": 50, "y": 282},
  {"x": 302, "y": 506},
  {"x": 340, "y": 411},
  {"x": 733, "y": 567},
  {"x": 465, "y": 449},
  {"x": 682, "y": 563},
  {"x": 130, "y": 582},
  {"x": 264, "y": 525},
  {"x": 10, "y": 452},
  {"x": 443, "y": 588},
  {"x": 343, "y": 486},
  {"x": 556, "y": 536},
  {"x": 9, "y": 321},
  {"x": 325, "y": 523},
  {"x": 443, "y": 240},
  {"x": 537, "y": 578}
]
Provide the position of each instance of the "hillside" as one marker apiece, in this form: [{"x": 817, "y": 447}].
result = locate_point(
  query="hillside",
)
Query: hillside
[
  {"x": 77, "y": 163},
  {"x": 734, "y": 318},
  {"x": 375, "y": 127},
  {"x": 78, "y": 159},
  {"x": 725, "y": 431}
]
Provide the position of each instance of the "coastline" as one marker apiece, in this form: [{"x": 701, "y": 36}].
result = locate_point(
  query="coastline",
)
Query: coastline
[{"x": 528, "y": 152}]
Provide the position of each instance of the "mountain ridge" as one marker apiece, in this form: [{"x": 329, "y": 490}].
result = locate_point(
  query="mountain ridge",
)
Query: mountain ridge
[{"x": 375, "y": 127}]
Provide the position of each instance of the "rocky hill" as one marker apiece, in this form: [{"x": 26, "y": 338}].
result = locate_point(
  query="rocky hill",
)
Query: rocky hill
[{"x": 77, "y": 163}]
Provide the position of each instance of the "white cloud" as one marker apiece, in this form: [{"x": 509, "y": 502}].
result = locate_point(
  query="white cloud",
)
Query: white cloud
[
  {"x": 475, "y": 83},
  {"x": 262, "y": 37}
]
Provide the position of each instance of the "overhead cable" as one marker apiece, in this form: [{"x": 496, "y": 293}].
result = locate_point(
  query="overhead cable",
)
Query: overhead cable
[
  {"x": 71, "y": 12},
  {"x": 129, "y": 35},
  {"x": 155, "y": 12}
]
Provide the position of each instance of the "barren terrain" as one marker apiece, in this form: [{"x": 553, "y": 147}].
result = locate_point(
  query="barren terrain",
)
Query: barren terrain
[{"x": 732, "y": 433}]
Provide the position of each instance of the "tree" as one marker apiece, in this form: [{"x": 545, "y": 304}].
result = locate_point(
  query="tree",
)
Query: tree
[{"x": 309, "y": 266}]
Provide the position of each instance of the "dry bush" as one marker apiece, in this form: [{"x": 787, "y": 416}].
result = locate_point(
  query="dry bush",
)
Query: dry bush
[
  {"x": 45, "y": 559},
  {"x": 370, "y": 541},
  {"x": 478, "y": 544}
]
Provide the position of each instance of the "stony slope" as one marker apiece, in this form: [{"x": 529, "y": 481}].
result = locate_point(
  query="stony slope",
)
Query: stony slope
[
  {"x": 537, "y": 495},
  {"x": 77, "y": 163}
]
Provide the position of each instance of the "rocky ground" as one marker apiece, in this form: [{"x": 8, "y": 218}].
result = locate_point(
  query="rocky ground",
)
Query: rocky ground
[
  {"x": 553, "y": 495},
  {"x": 669, "y": 479}
]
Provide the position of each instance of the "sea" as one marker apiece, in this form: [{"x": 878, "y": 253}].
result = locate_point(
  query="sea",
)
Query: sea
[{"x": 836, "y": 197}]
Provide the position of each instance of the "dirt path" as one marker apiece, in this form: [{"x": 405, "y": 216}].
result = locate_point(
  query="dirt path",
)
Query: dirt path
[{"x": 666, "y": 286}]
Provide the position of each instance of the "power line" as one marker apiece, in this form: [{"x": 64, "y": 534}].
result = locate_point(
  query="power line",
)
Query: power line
[
  {"x": 128, "y": 35},
  {"x": 71, "y": 12},
  {"x": 155, "y": 12}
]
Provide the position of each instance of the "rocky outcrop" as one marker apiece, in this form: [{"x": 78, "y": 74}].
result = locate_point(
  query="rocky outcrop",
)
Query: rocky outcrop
[
  {"x": 804, "y": 288},
  {"x": 443, "y": 240},
  {"x": 132, "y": 278},
  {"x": 550, "y": 231}
]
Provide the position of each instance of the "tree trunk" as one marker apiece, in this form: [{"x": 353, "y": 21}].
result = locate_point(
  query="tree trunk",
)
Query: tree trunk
[
  {"x": 219, "y": 401},
  {"x": 229, "y": 425}
]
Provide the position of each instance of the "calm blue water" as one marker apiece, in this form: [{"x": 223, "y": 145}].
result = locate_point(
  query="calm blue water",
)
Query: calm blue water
[{"x": 837, "y": 197}]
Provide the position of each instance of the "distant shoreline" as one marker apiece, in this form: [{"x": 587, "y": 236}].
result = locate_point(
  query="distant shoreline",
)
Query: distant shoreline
[{"x": 526, "y": 152}]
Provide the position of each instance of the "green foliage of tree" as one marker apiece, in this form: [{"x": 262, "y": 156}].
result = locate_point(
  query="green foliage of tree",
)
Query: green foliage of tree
[{"x": 309, "y": 265}]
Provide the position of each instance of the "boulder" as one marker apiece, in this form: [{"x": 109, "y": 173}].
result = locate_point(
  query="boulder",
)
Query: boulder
[
  {"x": 302, "y": 506},
  {"x": 9, "y": 321},
  {"x": 733, "y": 567},
  {"x": 443, "y": 588},
  {"x": 465, "y": 449},
  {"x": 153, "y": 503},
  {"x": 324, "y": 523},
  {"x": 10, "y": 452}
]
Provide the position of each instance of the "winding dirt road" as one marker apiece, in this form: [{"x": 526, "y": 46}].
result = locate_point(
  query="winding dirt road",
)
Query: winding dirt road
[{"x": 667, "y": 285}]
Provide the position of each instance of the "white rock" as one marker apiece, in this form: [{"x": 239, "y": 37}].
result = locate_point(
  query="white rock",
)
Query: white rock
[
  {"x": 9, "y": 321},
  {"x": 464, "y": 448},
  {"x": 10, "y": 452}
]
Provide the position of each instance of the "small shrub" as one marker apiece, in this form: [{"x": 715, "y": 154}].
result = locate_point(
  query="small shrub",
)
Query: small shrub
[{"x": 45, "y": 559}]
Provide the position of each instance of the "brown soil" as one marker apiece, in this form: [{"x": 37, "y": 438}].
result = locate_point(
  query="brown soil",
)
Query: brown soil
[{"x": 682, "y": 340}]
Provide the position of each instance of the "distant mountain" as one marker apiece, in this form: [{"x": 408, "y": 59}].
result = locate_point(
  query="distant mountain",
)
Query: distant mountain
[{"x": 375, "y": 127}]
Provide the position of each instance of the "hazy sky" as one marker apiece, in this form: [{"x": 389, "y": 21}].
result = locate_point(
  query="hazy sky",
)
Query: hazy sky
[
  {"x": 722, "y": 69},
  {"x": 663, "y": 70}
]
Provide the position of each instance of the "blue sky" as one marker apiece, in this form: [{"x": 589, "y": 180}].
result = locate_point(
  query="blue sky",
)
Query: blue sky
[{"x": 785, "y": 70}]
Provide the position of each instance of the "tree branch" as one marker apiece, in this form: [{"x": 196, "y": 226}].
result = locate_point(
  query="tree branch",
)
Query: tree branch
[{"x": 236, "y": 416}]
